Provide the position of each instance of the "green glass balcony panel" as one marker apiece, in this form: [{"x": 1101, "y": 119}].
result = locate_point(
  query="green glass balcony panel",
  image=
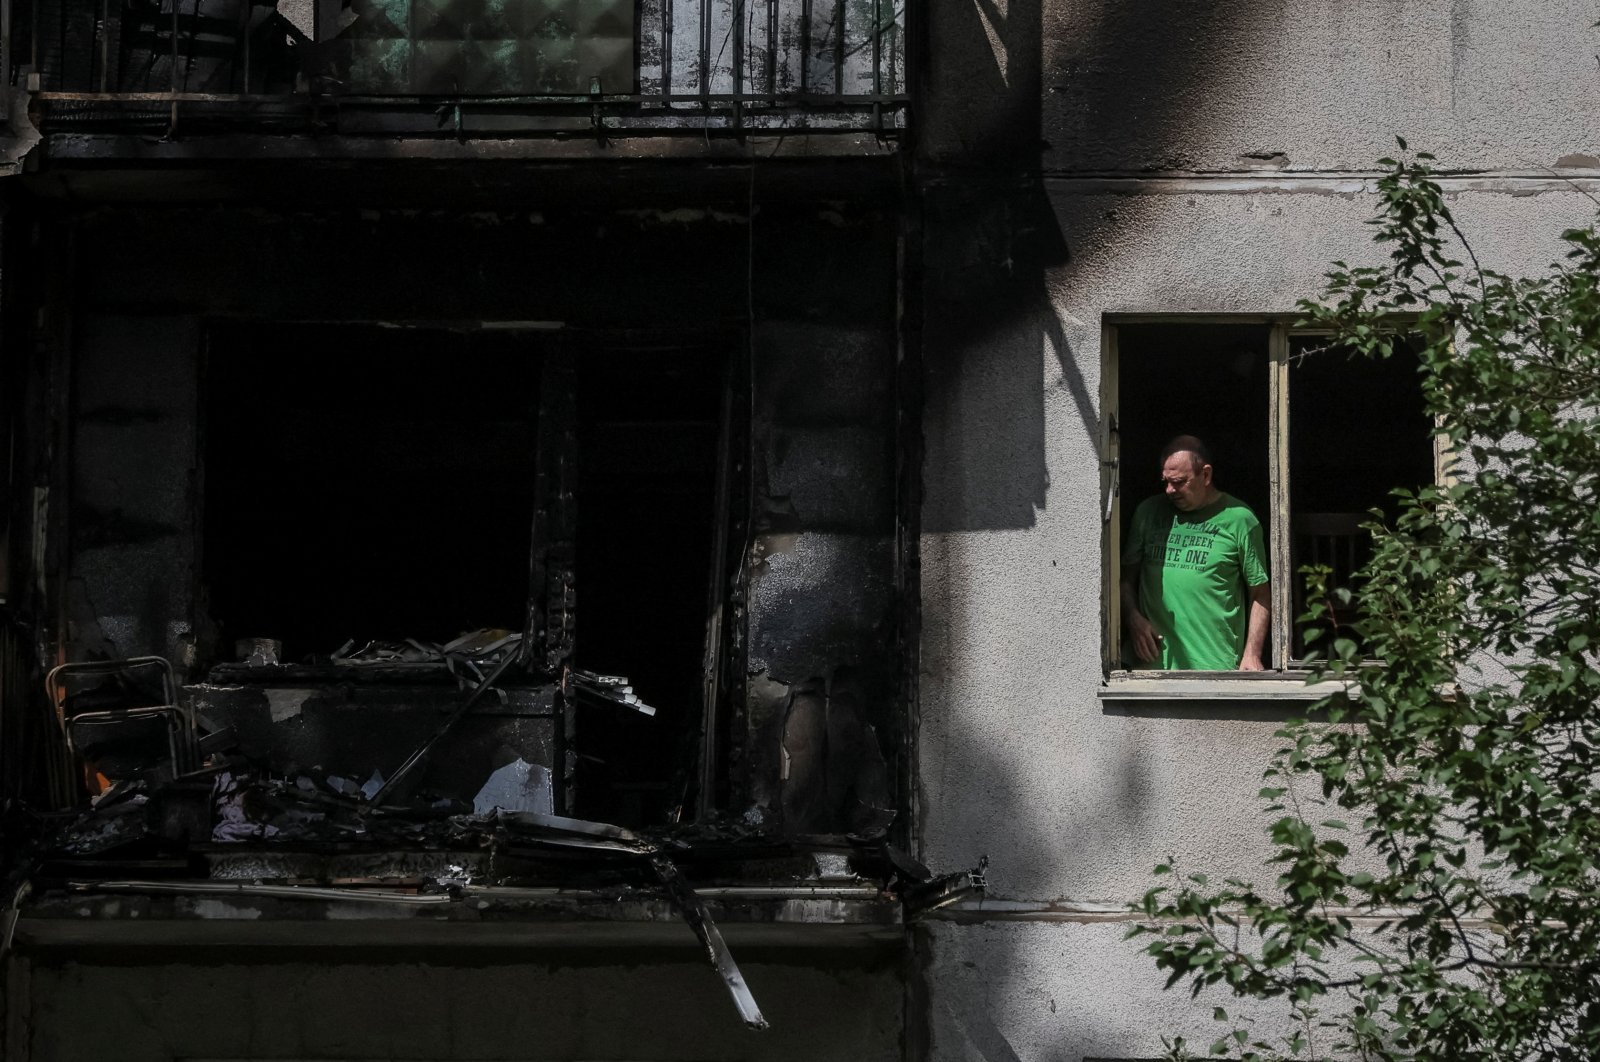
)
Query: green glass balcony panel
[
  {"x": 488, "y": 47},
  {"x": 380, "y": 18},
  {"x": 381, "y": 66}
]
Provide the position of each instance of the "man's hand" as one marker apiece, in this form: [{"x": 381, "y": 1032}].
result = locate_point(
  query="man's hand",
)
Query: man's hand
[
  {"x": 1256, "y": 627},
  {"x": 1146, "y": 643}
]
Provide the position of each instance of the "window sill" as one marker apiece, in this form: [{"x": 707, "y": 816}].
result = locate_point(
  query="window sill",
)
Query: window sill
[{"x": 1217, "y": 686}]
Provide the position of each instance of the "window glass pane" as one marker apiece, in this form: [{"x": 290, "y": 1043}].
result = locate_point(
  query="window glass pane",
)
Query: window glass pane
[{"x": 1357, "y": 431}]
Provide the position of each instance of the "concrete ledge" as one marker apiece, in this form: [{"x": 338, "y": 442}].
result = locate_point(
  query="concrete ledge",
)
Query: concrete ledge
[{"x": 1217, "y": 686}]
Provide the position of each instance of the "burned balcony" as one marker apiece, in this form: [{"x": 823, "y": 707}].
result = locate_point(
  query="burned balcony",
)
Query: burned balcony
[
  {"x": 403, "y": 500},
  {"x": 303, "y": 494},
  {"x": 535, "y": 70}
]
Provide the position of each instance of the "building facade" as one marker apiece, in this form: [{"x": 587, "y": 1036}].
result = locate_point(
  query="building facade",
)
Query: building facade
[
  {"x": 397, "y": 375},
  {"x": 1200, "y": 167}
]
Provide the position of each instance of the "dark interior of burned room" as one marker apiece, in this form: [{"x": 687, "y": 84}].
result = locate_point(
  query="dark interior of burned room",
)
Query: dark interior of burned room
[
  {"x": 649, "y": 424},
  {"x": 366, "y": 483}
]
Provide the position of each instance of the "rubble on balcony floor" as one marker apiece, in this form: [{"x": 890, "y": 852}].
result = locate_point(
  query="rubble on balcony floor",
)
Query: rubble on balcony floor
[
  {"x": 244, "y": 832},
  {"x": 294, "y": 837}
]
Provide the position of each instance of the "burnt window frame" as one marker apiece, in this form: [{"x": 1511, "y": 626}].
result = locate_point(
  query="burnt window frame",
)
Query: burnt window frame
[{"x": 1286, "y": 679}]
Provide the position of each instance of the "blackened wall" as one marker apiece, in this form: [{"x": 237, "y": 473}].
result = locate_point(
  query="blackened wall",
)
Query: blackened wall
[
  {"x": 821, "y": 694},
  {"x": 134, "y": 434}
]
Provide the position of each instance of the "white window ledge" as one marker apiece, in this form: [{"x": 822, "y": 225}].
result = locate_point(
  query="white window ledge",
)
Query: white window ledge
[{"x": 1218, "y": 686}]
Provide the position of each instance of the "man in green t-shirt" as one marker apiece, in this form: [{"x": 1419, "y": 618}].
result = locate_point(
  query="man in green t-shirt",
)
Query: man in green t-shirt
[{"x": 1194, "y": 575}]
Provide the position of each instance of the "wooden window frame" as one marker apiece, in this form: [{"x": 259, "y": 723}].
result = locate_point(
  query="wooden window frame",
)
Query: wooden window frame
[{"x": 1287, "y": 681}]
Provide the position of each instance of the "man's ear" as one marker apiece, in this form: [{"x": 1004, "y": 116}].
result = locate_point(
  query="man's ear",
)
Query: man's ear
[{"x": 1205, "y": 474}]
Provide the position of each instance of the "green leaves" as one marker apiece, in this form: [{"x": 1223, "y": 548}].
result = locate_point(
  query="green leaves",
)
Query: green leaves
[{"x": 1461, "y": 918}]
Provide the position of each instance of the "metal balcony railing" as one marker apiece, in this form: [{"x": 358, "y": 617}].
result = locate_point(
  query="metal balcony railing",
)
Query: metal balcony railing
[{"x": 466, "y": 66}]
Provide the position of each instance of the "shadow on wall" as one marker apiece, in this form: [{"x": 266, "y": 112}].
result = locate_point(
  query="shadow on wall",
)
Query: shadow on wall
[
  {"x": 993, "y": 241},
  {"x": 988, "y": 252},
  {"x": 998, "y": 268}
]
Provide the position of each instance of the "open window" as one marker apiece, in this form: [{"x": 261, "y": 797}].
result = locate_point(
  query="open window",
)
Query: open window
[{"x": 1310, "y": 438}]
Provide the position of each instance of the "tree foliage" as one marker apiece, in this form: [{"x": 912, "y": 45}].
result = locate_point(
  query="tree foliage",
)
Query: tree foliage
[{"x": 1437, "y": 833}]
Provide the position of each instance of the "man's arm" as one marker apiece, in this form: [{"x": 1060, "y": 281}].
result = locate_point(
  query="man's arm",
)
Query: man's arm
[
  {"x": 1145, "y": 646},
  {"x": 1256, "y": 627}
]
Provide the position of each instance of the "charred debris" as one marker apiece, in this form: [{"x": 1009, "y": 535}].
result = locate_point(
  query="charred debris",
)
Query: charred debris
[{"x": 177, "y": 800}]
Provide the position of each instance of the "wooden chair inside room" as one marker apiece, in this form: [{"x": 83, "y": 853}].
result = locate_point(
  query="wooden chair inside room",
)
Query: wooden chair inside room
[{"x": 1335, "y": 541}]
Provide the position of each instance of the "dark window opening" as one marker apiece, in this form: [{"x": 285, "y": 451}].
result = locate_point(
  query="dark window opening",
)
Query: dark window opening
[
  {"x": 1205, "y": 380},
  {"x": 1357, "y": 431},
  {"x": 366, "y": 483},
  {"x": 649, "y": 424}
]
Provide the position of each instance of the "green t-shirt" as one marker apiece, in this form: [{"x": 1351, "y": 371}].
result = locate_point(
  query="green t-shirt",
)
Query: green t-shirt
[{"x": 1193, "y": 570}]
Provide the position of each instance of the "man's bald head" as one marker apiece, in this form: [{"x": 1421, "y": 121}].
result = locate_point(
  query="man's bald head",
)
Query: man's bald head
[
  {"x": 1186, "y": 473},
  {"x": 1197, "y": 450}
]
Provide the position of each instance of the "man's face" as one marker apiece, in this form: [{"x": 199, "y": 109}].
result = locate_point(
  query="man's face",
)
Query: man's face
[{"x": 1187, "y": 482}]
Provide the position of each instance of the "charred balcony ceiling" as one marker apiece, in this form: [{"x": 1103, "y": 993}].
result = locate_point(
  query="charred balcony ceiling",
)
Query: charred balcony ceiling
[{"x": 724, "y": 175}]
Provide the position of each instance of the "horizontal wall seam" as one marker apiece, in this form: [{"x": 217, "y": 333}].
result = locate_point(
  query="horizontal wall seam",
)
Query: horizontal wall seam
[
  {"x": 1585, "y": 181},
  {"x": 985, "y": 911},
  {"x": 1332, "y": 183}
]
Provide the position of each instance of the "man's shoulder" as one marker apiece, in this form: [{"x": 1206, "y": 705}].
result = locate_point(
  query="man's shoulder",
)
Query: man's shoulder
[
  {"x": 1232, "y": 510},
  {"x": 1153, "y": 509}
]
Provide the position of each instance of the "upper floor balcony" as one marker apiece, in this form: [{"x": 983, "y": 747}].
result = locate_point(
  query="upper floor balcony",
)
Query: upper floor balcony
[{"x": 689, "y": 76}]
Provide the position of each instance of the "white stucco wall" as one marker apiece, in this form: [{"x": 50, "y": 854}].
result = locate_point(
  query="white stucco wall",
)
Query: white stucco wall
[
  {"x": 1325, "y": 84},
  {"x": 1075, "y": 799},
  {"x": 1044, "y": 1007}
]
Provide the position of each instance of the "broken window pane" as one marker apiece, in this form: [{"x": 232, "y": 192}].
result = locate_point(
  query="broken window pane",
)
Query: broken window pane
[{"x": 649, "y": 428}]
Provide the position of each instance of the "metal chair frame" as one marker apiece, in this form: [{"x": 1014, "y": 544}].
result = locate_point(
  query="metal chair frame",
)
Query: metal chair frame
[{"x": 182, "y": 737}]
